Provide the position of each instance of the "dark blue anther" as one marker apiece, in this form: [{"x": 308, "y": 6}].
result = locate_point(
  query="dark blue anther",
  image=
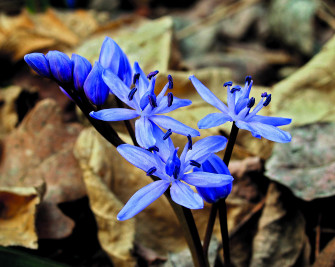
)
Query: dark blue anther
[
  {"x": 176, "y": 172},
  {"x": 153, "y": 148},
  {"x": 170, "y": 81},
  {"x": 195, "y": 163},
  {"x": 152, "y": 74},
  {"x": 228, "y": 84},
  {"x": 170, "y": 99},
  {"x": 264, "y": 94},
  {"x": 267, "y": 100},
  {"x": 152, "y": 101},
  {"x": 151, "y": 171},
  {"x": 235, "y": 88},
  {"x": 167, "y": 134},
  {"x": 136, "y": 77},
  {"x": 248, "y": 79},
  {"x": 251, "y": 102},
  {"x": 131, "y": 93},
  {"x": 189, "y": 137}
]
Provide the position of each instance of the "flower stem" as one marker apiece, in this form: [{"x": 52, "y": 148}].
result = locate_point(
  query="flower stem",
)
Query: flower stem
[{"x": 221, "y": 205}]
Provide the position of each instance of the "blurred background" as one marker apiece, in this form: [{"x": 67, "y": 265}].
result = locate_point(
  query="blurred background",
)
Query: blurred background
[{"x": 61, "y": 185}]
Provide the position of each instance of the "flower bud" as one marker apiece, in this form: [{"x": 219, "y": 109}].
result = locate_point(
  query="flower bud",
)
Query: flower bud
[
  {"x": 213, "y": 194},
  {"x": 81, "y": 68},
  {"x": 113, "y": 58},
  {"x": 61, "y": 66},
  {"x": 39, "y": 63},
  {"x": 95, "y": 88}
]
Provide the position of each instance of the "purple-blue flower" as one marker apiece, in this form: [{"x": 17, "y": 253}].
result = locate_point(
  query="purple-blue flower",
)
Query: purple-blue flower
[
  {"x": 214, "y": 164},
  {"x": 164, "y": 163},
  {"x": 61, "y": 66},
  {"x": 39, "y": 63},
  {"x": 239, "y": 111},
  {"x": 113, "y": 58},
  {"x": 81, "y": 69},
  {"x": 144, "y": 104}
]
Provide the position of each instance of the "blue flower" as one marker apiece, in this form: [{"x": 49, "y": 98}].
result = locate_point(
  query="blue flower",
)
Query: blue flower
[
  {"x": 39, "y": 63},
  {"x": 61, "y": 66},
  {"x": 214, "y": 164},
  {"x": 113, "y": 58},
  {"x": 238, "y": 110},
  {"x": 81, "y": 69},
  {"x": 95, "y": 88},
  {"x": 164, "y": 163},
  {"x": 144, "y": 104}
]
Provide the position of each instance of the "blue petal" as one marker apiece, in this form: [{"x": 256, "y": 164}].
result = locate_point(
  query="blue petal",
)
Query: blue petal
[
  {"x": 175, "y": 126},
  {"x": 143, "y": 159},
  {"x": 95, "y": 88},
  {"x": 144, "y": 133},
  {"x": 213, "y": 120},
  {"x": 143, "y": 82},
  {"x": 118, "y": 87},
  {"x": 61, "y": 66},
  {"x": 114, "y": 114},
  {"x": 275, "y": 121},
  {"x": 39, "y": 63},
  {"x": 142, "y": 198},
  {"x": 165, "y": 147},
  {"x": 205, "y": 147},
  {"x": 183, "y": 195},
  {"x": 207, "y": 179},
  {"x": 81, "y": 69},
  {"x": 213, "y": 194},
  {"x": 173, "y": 164},
  {"x": 177, "y": 103},
  {"x": 207, "y": 95},
  {"x": 216, "y": 164}
]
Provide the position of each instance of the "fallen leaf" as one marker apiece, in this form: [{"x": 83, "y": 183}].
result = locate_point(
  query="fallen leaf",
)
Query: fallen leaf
[
  {"x": 327, "y": 256},
  {"x": 306, "y": 165}
]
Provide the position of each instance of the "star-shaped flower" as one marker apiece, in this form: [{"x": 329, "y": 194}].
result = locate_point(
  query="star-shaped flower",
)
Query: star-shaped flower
[
  {"x": 239, "y": 111},
  {"x": 144, "y": 104},
  {"x": 164, "y": 163}
]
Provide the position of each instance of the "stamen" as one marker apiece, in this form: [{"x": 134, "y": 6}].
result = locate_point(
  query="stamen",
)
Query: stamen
[
  {"x": 228, "y": 84},
  {"x": 167, "y": 134},
  {"x": 136, "y": 77},
  {"x": 248, "y": 79},
  {"x": 152, "y": 101},
  {"x": 251, "y": 102},
  {"x": 264, "y": 94},
  {"x": 131, "y": 93},
  {"x": 153, "y": 148},
  {"x": 151, "y": 171},
  {"x": 170, "y": 81},
  {"x": 170, "y": 99},
  {"x": 235, "y": 88},
  {"x": 195, "y": 163},
  {"x": 189, "y": 137},
  {"x": 152, "y": 74},
  {"x": 267, "y": 100}
]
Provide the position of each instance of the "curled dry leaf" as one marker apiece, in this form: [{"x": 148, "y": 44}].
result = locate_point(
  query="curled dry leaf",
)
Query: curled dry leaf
[
  {"x": 281, "y": 238},
  {"x": 306, "y": 165},
  {"x": 38, "y": 154}
]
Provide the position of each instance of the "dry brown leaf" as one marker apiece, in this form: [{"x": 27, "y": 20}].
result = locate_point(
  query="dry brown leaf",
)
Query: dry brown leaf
[
  {"x": 327, "y": 256},
  {"x": 281, "y": 237},
  {"x": 39, "y": 152}
]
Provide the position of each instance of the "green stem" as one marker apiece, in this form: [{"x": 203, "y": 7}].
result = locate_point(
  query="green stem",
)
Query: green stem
[{"x": 221, "y": 205}]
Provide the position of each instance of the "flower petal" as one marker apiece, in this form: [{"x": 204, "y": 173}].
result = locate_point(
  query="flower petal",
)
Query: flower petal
[
  {"x": 142, "y": 83},
  {"x": 114, "y": 114},
  {"x": 142, "y": 198},
  {"x": 117, "y": 87},
  {"x": 183, "y": 195},
  {"x": 165, "y": 147},
  {"x": 207, "y": 179},
  {"x": 144, "y": 133},
  {"x": 175, "y": 126},
  {"x": 205, "y": 146},
  {"x": 213, "y": 120},
  {"x": 207, "y": 95},
  {"x": 177, "y": 103},
  {"x": 275, "y": 121}
]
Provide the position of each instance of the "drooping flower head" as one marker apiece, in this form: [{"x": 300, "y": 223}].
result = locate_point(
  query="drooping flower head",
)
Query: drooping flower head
[
  {"x": 144, "y": 104},
  {"x": 163, "y": 162},
  {"x": 214, "y": 164},
  {"x": 239, "y": 111}
]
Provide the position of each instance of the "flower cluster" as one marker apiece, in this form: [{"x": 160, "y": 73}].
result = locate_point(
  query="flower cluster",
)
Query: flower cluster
[{"x": 197, "y": 165}]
